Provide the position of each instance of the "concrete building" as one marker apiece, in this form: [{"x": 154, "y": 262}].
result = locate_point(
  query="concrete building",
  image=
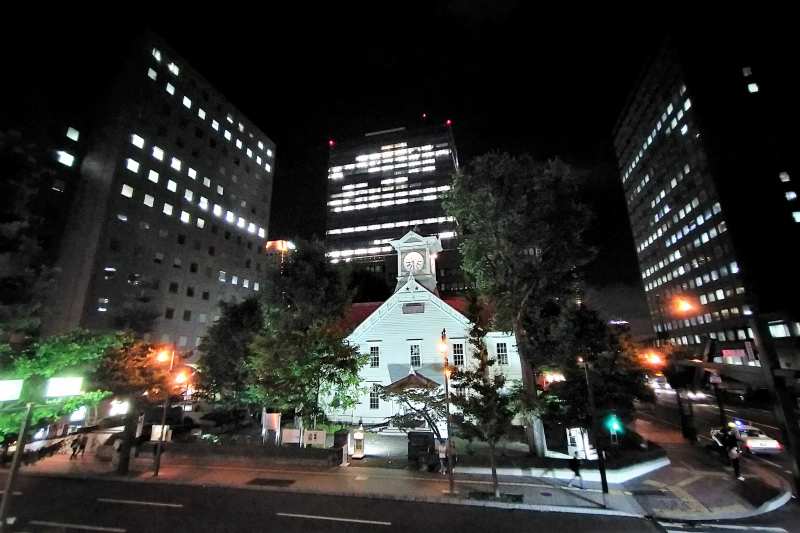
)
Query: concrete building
[
  {"x": 401, "y": 335},
  {"x": 709, "y": 173},
  {"x": 171, "y": 208},
  {"x": 384, "y": 184}
]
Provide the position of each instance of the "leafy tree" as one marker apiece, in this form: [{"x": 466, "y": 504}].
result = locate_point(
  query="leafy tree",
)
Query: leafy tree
[
  {"x": 225, "y": 352},
  {"x": 423, "y": 405},
  {"x": 485, "y": 406},
  {"x": 521, "y": 229},
  {"x": 615, "y": 372},
  {"x": 300, "y": 357}
]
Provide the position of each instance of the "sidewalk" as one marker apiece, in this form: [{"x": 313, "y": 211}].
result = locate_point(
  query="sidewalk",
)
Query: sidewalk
[{"x": 372, "y": 482}]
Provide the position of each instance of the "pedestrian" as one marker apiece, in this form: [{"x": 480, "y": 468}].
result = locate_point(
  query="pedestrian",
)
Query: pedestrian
[
  {"x": 575, "y": 466},
  {"x": 733, "y": 454},
  {"x": 84, "y": 440},
  {"x": 75, "y": 445},
  {"x": 441, "y": 448}
]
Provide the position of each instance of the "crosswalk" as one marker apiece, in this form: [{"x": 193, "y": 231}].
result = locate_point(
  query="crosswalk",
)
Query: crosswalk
[{"x": 686, "y": 527}]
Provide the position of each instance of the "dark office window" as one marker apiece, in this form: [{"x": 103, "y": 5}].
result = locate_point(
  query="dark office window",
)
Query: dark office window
[
  {"x": 214, "y": 229},
  {"x": 173, "y": 287},
  {"x": 190, "y": 292},
  {"x": 198, "y": 133},
  {"x": 176, "y": 263},
  {"x": 193, "y": 268},
  {"x": 169, "y": 313},
  {"x": 247, "y": 263},
  {"x": 114, "y": 245},
  {"x": 227, "y": 235},
  {"x": 205, "y": 295},
  {"x": 197, "y": 245},
  {"x": 158, "y": 258},
  {"x": 209, "y": 272},
  {"x": 210, "y": 250},
  {"x": 187, "y": 315},
  {"x": 181, "y": 239}
]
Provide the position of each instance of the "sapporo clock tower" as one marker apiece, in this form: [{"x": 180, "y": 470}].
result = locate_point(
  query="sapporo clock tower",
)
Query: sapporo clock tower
[{"x": 416, "y": 256}]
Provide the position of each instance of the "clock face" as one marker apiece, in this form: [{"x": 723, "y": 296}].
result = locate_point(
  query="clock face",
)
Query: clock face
[{"x": 413, "y": 261}]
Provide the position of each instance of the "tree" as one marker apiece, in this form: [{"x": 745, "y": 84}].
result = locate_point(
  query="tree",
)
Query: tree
[
  {"x": 615, "y": 371},
  {"x": 300, "y": 357},
  {"x": 423, "y": 400},
  {"x": 521, "y": 229},
  {"x": 484, "y": 403},
  {"x": 225, "y": 352}
]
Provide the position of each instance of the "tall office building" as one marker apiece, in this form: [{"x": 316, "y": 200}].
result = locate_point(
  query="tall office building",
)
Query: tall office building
[
  {"x": 169, "y": 205},
  {"x": 384, "y": 184},
  {"x": 704, "y": 147}
]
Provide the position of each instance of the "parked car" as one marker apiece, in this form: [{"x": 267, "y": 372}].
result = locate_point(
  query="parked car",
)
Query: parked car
[{"x": 753, "y": 440}]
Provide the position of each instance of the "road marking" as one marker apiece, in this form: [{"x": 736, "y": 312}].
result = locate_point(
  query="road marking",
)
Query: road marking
[
  {"x": 744, "y": 528},
  {"x": 335, "y": 519},
  {"x": 776, "y": 465},
  {"x": 76, "y": 526},
  {"x": 361, "y": 478},
  {"x": 139, "y": 502}
]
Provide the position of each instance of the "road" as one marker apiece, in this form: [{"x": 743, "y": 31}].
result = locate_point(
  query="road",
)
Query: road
[
  {"x": 706, "y": 417},
  {"x": 60, "y": 504}
]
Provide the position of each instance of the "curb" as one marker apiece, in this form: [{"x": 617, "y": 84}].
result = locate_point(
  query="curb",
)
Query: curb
[{"x": 372, "y": 496}]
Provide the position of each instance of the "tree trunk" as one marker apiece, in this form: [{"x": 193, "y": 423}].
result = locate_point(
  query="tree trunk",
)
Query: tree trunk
[
  {"x": 534, "y": 429},
  {"x": 493, "y": 463},
  {"x": 128, "y": 434}
]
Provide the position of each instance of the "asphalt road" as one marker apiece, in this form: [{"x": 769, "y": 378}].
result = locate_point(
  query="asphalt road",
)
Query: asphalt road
[
  {"x": 66, "y": 505},
  {"x": 706, "y": 417}
]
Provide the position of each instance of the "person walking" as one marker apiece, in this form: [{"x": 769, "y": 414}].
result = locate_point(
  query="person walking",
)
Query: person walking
[
  {"x": 441, "y": 448},
  {"x": 734, "y": 454},
  {"x": 575, "y": 466},
  {"x": 83, "y": 441},
  {"x": 75, "y": 445}
]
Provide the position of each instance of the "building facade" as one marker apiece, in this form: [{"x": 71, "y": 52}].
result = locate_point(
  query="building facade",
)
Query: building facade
[
  {"x": 709, "y": 176},
  {"x": 384, "y": 184},
  {"x": 171, "y": 210},
  {"x": 401, "y": 335}
]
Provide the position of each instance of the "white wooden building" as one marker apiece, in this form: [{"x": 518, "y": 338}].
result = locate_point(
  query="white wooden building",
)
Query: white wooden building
[{"x": 402, "y": 334}]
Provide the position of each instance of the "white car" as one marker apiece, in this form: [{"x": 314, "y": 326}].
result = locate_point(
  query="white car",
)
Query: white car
[{"x": 753, "y": 440}]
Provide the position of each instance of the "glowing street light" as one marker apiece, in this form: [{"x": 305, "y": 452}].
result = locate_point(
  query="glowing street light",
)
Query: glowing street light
[
  {"x": 654, "y": 359},
  {"x": 163, "y": 355},
  {"x": 683, "y": 305},
  {"x": 443, "y": 349}
]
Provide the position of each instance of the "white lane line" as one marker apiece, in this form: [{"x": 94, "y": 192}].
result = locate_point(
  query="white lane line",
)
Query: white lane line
[
  {"x": 672, "y": 524},
  {"x": 335, "y": 519},
  {"x": 776, "y": 465},
  {"x": 76, "y": 526},
  {"x": 744, "y": 528},
  {"x": 139, "y": 502}
]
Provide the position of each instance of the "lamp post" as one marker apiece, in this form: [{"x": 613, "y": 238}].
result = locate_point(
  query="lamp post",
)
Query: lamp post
[
  {"x": 443, "y": 350},
  {"x": 601, "y": 458},
  {"x": 682, "y": 306},
  {"x": 162, "y": 357}
]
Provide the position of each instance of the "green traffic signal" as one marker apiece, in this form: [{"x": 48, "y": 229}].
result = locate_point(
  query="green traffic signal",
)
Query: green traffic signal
[{"x": 613, "y": 424}]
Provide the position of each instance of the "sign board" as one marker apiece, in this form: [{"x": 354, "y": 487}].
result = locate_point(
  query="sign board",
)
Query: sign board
[
  {"x": 315, "y": 438},
  {"x": 10, "y": 389},
  {"x": 59, "y": 387},
  {"x": 155, "y": 436},
  {"x": 715, "y": 379},
  {"x": 290, "y": 436}
]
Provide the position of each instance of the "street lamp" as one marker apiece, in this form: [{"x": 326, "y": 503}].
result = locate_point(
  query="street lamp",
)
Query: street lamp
[
  {"x": 601, "y": 458},
  {"x": 443, "y": 349},
  {"x": 163, "y": 356}
]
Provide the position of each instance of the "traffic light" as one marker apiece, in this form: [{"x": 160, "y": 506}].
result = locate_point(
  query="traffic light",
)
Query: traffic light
[{"x": 613, "y": 424}]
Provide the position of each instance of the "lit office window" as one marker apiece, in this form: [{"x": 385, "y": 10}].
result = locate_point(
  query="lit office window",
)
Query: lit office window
[
  {"x": 187, "y": 102},
  {"x": 217, "y": 210},
  {"x": 251, "y": 228},
  {"x": 73, "y": 134},
  {"x": 267, "y": 167},
  {"x": 246, "y": 284},
  {"x": 791, "y": 195},
  {"x": 170, "y": 88},
  {"x": 185, "y": 217},
  {"x": 122, "y": 217},
  {"x": 747, "y": 72},
  {"x": 201, "y": 223},
  {"x": 234, "y": 280},
  {"x": 796, "y": 216},
  {"x": 192, "y": 173},
  {"x": 157, "y": 54},
  {"x": 158, "y": 153},
  {"x": 127, "y": 191},
  {"x": 176, "y": 163},
  {"x": 137, "y": 141},
  {"x": 201, "y": 113},
  {"x": 229, "y": 118},
  {"x": 752, "y": 87},
  {"x": 65, "y": 158},
  {"x": 151, "y": 74},
  {"x": 148, "y": 200},
  {"x": 260, "y": 145},
  {"x": 172, "y": 186},
  {"x": 227, "y": 135},
  {"x": 167, "y": 209},
  {"x": 241, "y": 223},
  {"x": 258, "y": 159},
  {"x": 132, "y": 165},
  {"x": 241, "y": 127},
  {"x": 784, "y": 177},
  {"x": 262, "y": 233},
  {"x": 204, "y": 203},
  {"x": 153, "y": 176},
  {"x": 207, "y": 182},
  {"x": 174, "y": 68},
  {"x": 220, "y": 190},
  {"x": 256, "y": 286},
  {"x": 238, "y": 144},
  {"x": 230, "y": 217},
  {"x": 269, "y": 152},
  {"x": 188, "y": 195},
  {"x": 221, "y": 276},
  {"x": 779, "y": 330},
  {"x": 249, "y": 153},
  {"x": 215, "y": 125}
]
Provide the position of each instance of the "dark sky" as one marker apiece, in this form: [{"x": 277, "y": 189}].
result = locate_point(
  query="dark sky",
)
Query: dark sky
[{"x": 511, "y": 76}]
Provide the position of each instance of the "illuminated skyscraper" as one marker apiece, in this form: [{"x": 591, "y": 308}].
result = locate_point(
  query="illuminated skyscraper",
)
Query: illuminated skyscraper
[{"x": 384, "y": 184}]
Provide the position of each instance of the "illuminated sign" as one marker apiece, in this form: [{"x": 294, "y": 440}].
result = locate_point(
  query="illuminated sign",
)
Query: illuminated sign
[
  {"x": 58, "y": 387},
  {"x": 10, "y": 389}
]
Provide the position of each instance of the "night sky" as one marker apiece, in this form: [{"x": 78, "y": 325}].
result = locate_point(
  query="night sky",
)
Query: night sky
[{"x": 511, "y": 77}]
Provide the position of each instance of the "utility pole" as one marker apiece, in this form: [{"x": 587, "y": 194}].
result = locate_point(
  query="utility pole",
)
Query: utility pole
[
  {"x": 601, "y": 457},
  {"x": 12, "y": 473}
]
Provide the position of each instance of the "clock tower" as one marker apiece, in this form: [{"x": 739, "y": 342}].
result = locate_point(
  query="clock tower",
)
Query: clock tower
[{"x": 416, "y": 256}]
